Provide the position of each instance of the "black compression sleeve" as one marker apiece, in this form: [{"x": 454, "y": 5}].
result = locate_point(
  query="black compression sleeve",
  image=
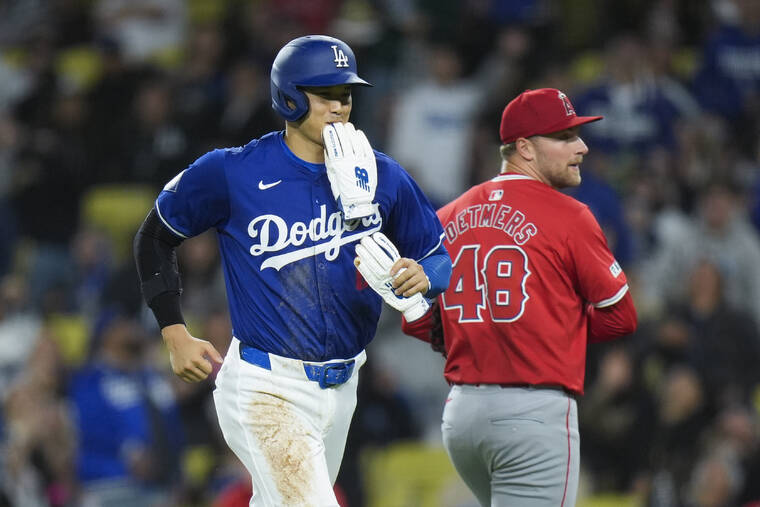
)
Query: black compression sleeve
[{"x": 156, "y": 259}]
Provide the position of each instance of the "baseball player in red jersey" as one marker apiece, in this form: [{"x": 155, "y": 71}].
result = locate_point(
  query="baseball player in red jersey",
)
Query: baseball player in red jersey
[{"x": 533, "y": 282}]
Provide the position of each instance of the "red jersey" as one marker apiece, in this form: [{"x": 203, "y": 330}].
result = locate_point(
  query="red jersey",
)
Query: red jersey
[{"x": 527, "y": 262}]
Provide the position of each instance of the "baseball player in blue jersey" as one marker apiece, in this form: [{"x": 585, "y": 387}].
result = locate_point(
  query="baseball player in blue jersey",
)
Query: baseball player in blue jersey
[{"x": 289, "y": 209}]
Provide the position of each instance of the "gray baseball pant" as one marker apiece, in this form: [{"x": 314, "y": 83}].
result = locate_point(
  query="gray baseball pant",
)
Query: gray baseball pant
[{"x": 514, "y": 446}]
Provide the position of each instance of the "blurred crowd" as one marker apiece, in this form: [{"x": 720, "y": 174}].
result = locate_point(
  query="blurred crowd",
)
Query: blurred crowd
[{"x": 104, "y": 101}]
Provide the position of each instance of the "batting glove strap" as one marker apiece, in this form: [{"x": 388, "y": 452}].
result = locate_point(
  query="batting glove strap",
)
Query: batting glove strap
[
  {"x": 416, "y": 311},
  {"x": 351, "y": 169},
  {"x": 358, "y": 211}
]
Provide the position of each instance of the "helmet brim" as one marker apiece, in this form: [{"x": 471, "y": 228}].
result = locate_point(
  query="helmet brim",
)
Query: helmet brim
[{"x": 333, "y": 80}]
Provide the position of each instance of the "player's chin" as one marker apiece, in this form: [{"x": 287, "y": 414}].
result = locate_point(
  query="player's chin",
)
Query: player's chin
[{"x": 573, "y": 176}]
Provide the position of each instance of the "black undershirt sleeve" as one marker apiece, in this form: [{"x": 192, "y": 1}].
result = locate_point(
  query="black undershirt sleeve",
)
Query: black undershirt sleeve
[{"x": 156, "y": 259}]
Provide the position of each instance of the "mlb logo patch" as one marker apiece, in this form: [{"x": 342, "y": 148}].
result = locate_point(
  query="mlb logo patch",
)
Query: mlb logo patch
[
  {"x": 496, "y": 195},
  {"x": 615, "y": 269}
]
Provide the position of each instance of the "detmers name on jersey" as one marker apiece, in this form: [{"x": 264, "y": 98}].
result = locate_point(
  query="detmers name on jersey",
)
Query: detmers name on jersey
[
  {"x": 273, "y": 235},
  {"x": 493, "y": 216}
]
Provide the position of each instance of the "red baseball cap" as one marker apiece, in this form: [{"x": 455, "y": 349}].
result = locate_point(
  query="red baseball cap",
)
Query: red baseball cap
[{"x": 538, "y": 112}]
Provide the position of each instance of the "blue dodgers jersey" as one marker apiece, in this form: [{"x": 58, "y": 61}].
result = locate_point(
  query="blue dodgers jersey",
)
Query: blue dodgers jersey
[{"x": 286, "y": 252}]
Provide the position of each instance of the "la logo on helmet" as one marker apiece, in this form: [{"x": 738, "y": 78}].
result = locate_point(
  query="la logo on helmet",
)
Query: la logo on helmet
[
  {"x": 569, "y": 111},
  {"x": 341, "y": 60}
]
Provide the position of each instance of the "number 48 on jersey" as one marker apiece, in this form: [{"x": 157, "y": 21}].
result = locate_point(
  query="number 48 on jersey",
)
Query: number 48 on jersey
[{"x": 494, "y": 280}]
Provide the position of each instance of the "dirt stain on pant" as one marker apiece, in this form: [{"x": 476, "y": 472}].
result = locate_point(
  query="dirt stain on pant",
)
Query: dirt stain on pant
[{"x": 285, "y": 444}]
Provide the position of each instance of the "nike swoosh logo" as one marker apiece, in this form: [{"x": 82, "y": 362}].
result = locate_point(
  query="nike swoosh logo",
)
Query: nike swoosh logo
[{"x": 264, "y": 186}]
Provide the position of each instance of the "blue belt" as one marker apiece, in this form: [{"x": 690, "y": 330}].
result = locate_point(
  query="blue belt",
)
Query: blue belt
[{"x": 328, "y": 375}]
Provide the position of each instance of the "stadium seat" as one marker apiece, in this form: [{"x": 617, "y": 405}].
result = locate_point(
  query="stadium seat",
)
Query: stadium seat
[
  {"x": 118, "y": 210},
  {"x": 71, "y": 332},
  {"x": 198, "y": 462},
  {"x": 79, "y": 67},
  {"x": 412, "y": 474},
  {"x": 609, "y": 500}
]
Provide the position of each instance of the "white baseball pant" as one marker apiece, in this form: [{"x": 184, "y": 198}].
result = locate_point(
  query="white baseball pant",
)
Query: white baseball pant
[{"x": 289, "y": 432}]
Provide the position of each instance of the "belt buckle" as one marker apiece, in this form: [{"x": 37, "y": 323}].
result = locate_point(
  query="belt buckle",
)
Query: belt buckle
[{"x": 344, "y": 368}]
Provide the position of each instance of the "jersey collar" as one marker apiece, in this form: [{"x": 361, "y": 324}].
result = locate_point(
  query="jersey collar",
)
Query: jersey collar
[
  {"x": 312, "y": 168},
  {"x": 509, "y": 176}
]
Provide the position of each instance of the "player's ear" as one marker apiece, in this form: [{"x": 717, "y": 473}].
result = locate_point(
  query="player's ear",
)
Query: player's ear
[{"x": 525, "y": 148}]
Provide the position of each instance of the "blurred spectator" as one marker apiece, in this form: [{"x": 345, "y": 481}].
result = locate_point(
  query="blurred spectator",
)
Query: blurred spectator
[
  {"x": 681, "y": 417},
  {"x": 22, "y": 19},
  {"x": 664, "y": 345},
  {"x": 728, "y": 81},
  {"x": 93, "y": 266},
  {"x": 617, "y": 421},
  {"x": 123, "y": 291},
  {"x": 15, "y": 83},
  {"x": 736, "y": 432},
  {"x": 158, "y": 144},
  {"x": 247, "y": 110},
  {"x": 110, "y": 100},
  {"x": 506, "y": 69},
  {"x": 715, "y": 482},
  {"x": 657, "y": 205},
  {"x": 143, "y": 28},
  {"x": 51, "y": 176},
  {"x": 432, "y": 127},
  {"x": 202, "y": 280},
  {"x": 724, "y": 344},
  {"x": 720, "y": 233},
  {"x": 391, "y": 58},
  {"x": 200, "y": 83},
  {"x": 10, "y": 138},
  {"x": 73, "y": 22},
  {"x": 311, "y": 17},
  {"x": 38, "y": 448},
  {"x": 128, "y": 428},
  {"x": 640, "y": 108},
  {"x": 33, "y": 108},
  {"x": 20, "y": 329},
  {"x": 257, "y": 30}
]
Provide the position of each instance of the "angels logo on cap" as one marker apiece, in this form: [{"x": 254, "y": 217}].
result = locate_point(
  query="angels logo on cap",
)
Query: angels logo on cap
[{"x": 566, "y": 102}]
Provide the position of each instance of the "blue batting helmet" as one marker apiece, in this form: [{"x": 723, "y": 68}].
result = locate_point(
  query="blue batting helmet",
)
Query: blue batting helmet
[{"x": 313, "y": 60}]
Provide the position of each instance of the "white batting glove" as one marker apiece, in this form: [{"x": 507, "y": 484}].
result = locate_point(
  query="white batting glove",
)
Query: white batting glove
[
  {"x": 375, "y": 256},
  {"x": 351, "y": 169}
]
